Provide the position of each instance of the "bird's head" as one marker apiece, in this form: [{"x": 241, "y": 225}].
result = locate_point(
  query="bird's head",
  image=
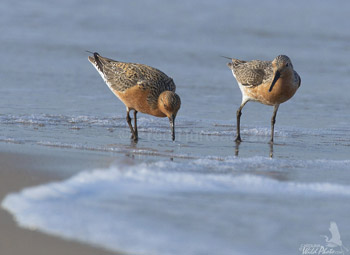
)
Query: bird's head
[
  {"x": 282, "y": 65},
  {"x": 169, "y": 103}
]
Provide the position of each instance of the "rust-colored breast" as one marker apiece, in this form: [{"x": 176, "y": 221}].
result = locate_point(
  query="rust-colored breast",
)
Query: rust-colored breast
[
  {"x": 281, "y": 92},
  {"x": 136, "y": 98}
]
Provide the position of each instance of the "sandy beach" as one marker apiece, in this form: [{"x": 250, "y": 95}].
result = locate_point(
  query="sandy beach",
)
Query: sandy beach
[{"x": 24, "y": 169}]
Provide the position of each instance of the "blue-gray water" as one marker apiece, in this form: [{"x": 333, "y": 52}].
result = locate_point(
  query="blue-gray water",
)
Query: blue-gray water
[{"x": 207, "y": 200}]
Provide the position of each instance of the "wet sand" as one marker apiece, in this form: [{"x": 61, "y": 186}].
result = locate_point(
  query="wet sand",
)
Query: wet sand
[{"x": 21, "y": 169}]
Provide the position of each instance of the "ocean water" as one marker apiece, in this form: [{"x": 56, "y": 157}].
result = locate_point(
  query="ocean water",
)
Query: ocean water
[
  {"x": 201, "y": 194},
  {"x": 205, "y": 206}
]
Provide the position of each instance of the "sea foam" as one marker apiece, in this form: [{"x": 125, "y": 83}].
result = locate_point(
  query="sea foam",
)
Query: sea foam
[{"x": 152, "y": 208}]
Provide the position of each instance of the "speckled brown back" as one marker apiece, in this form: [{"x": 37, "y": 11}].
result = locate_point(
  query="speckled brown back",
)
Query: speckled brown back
[{"x": 121, "y": 76}]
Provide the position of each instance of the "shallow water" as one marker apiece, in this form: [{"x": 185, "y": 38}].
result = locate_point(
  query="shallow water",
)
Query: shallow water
[
  {"x": 201, "y": 190},
  {"x": 204, "y": 206}
]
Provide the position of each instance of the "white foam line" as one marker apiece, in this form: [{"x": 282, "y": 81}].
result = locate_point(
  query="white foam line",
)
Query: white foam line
[
  {"x": 166, "y": 175},
  {"x": 96, "y": 199}
]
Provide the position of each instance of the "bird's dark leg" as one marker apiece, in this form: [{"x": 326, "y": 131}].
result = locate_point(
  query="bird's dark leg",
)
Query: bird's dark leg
[
  {"x": 237, "y": 149},
  {"x": 128, "y": 119},
  {"x": 273, "y": 121},
  {"x": 271, "y": 150},
  {"x": 135, "y": 126},
  {"x": 238, "y": 114}
]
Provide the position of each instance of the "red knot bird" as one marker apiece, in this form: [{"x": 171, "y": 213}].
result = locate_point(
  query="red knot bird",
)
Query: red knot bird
[
  {"x": 267, "y": 82},
  {"x": 141, "y": 88}
]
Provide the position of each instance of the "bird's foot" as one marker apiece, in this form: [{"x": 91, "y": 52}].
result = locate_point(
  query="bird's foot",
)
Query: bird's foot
[
  {"x": 134, "y": 137},
  {"x": 238, "y": 139}
]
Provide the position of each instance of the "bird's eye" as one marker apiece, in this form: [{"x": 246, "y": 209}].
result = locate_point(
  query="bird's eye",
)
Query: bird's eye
[{"x": 287, "y": 64}]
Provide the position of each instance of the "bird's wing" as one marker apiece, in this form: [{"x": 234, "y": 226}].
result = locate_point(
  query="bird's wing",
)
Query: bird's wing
[
  {"x": 334, "y": 231},
  {"x": 121, "y": 76},
  {"x": 253, "y": 73}
]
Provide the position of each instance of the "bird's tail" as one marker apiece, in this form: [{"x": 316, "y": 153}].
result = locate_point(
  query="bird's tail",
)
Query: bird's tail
[
  {"x": 96, "y": 60},
  {"x": 226, "y": 57},
  {"x": 234, "y": 62}
]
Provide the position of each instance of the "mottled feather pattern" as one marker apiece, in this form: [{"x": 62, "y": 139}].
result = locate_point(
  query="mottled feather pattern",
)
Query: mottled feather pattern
[
  {"x": 121, "y": 76},
  {"x": 268, "y": 82},
  {"x": 252, "y": 73},
  {"x": 236, "y": 62}
]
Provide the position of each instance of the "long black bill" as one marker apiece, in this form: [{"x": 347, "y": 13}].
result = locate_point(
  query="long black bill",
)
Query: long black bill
[
  {"x": 172, "y": 126},
  {"x": 277, "y": 76}
]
